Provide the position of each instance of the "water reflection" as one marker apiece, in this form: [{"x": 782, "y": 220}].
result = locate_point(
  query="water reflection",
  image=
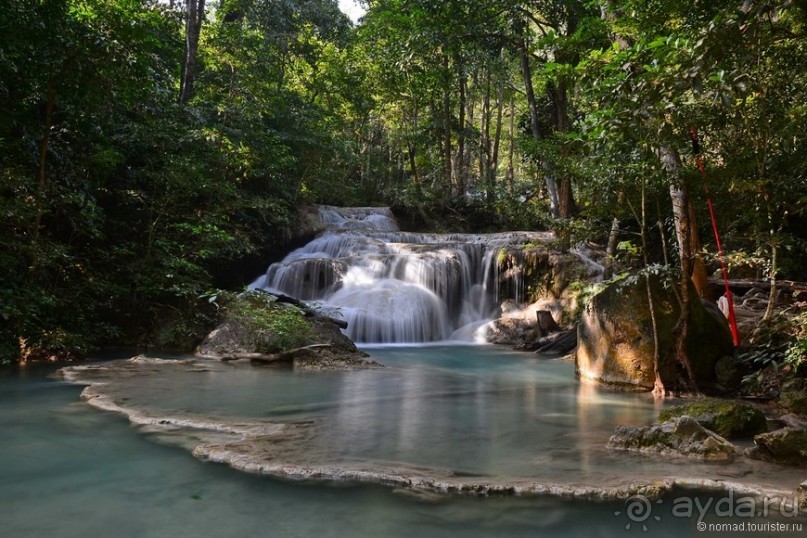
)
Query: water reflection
[
  {"x": 473, "y": 411},
  {"x": 68, "y": 470},
  {"x": 476, "y": 411}
]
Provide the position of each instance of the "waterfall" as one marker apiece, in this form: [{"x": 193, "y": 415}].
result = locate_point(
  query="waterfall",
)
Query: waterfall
[{"x": 393, "y": 286}]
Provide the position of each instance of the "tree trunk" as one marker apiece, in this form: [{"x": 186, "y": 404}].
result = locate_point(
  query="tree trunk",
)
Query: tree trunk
[
  {"x": 671, "y": 162},
  {"x": 659, "y": 388},
  {"x": 493, "y": 165},
  {"x": 699, "y": 277},
  {"x": 447, "y": 129},
  {"x": 610, "y": 250},
  {"x": 484, "y": 153},
  {"x": 773, "y": 291},
  {"x": 535, "y": 127},
  {"x": 662, "y": 233},
  {"x": 469, "y": 151},
  {"x": 511, "y": 170},
  {"x": 195, "y": 14},
  {"x": 567, "y": 207},
  {"x": 41, "y": 174},
  {"x": 545, "y": 323},
  {"x": 560, "y": 99},
  {"x": 410, "y": 149},
  {"x": 462, "y": 171}
]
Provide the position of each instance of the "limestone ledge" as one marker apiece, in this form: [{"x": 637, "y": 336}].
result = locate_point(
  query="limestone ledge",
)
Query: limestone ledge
[
  {"x": 444, "y": 482},
  {"x": 273, "y": 449}
]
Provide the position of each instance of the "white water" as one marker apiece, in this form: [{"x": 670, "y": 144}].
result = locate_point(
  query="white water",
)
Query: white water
[{"x": 399, "y": 287}]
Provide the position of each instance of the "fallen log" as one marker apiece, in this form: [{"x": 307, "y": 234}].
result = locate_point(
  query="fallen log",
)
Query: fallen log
[
  {"x": 560, "y": 343},
  {"x": 741, "y": 286},
  {"x": 557, "y": 343},
  {"x": 283, "y": 298},
  {"x": 264, "y": 358},
  {"x": 307, "y": 310}
]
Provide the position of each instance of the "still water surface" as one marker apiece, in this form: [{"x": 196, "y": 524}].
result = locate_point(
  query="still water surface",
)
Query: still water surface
[{"x": 69, "y": 470}]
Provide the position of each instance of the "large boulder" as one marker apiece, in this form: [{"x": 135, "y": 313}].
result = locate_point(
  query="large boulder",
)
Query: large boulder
[
  {"x": 726, "y": 418},
  {"x": 681, "y": 436},
  {"x": 615, "y": 336}
]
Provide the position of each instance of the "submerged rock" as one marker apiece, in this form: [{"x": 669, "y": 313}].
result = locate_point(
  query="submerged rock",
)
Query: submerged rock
[
  {"x": 616, "y": 344},
  {"x": 681, "y": 436},
  {"x": 724, "y": 417},
  {"x": 788, "y": 446}
]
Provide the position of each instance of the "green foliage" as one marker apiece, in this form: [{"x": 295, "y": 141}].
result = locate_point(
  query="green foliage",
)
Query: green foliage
[
  {"x": 118, "y": 204},
  {"x": 120, "y": 207},
  {"x": 274, "y": 327},
  {"x": 783, "y": 341},
  {"x": 583, "y": 291},
  {"x": 796, "y": 353}
]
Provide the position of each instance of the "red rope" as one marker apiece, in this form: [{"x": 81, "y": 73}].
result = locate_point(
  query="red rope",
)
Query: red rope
[{"x": 732, "y": 319}]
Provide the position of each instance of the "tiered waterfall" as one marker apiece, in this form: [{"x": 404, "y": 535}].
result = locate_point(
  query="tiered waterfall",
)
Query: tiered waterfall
[{"x": 399, "y": 287}]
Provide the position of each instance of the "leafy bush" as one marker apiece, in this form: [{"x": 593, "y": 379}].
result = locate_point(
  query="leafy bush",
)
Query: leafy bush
[
  {"x": 783, "y": 341},
  {"x": 796, "y": 353}
]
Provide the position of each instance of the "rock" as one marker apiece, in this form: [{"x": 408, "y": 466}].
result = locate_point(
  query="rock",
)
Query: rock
[
  {"x": 801, "y": 494},
  {"x": 788, "y": 446},
  {"x": 794, "y": 421},
  {"x": 509, "y": 331},
  {"x": 728, "y": 373},
  {"x": 234, "y": 338},
  {"x": 794, "y": 396},
  {"x": 681, "y": 436},
  {"x": 726, "y": 418},
  {"x": 615, "y": 337},
  {"x": 229, "y": 337}
]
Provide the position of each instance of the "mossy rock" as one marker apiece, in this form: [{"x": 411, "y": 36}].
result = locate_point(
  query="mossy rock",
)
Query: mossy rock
[
  {"x": 794, "y": 396},
  {"x": 788, "y": 446},
  {"x": 681, "y": 436},
  {"x": 256, "y": 323},
  {"x": 724, "y": 417}
]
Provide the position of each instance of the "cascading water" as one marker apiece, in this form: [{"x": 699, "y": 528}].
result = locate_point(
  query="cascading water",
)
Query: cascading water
[{"x": 392, "y": 286}]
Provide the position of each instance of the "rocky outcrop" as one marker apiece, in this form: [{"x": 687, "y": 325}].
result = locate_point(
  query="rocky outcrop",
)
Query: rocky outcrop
[
  {"x": 726, "y": 418},
  {"x": 541, "y": 277},
  {"x": 681, "y": 436},
  {"x": 615, "y": 336},
  {"x": 321, "y": 346},
  {"x": 787, "y": 446}
]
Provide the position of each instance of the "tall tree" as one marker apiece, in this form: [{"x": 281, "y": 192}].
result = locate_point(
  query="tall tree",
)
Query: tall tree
[{"x": 194, "y": 16}]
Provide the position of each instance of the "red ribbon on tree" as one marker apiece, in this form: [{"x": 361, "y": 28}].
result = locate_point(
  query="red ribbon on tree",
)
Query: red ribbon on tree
[{"x": 696, "y": 149}]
